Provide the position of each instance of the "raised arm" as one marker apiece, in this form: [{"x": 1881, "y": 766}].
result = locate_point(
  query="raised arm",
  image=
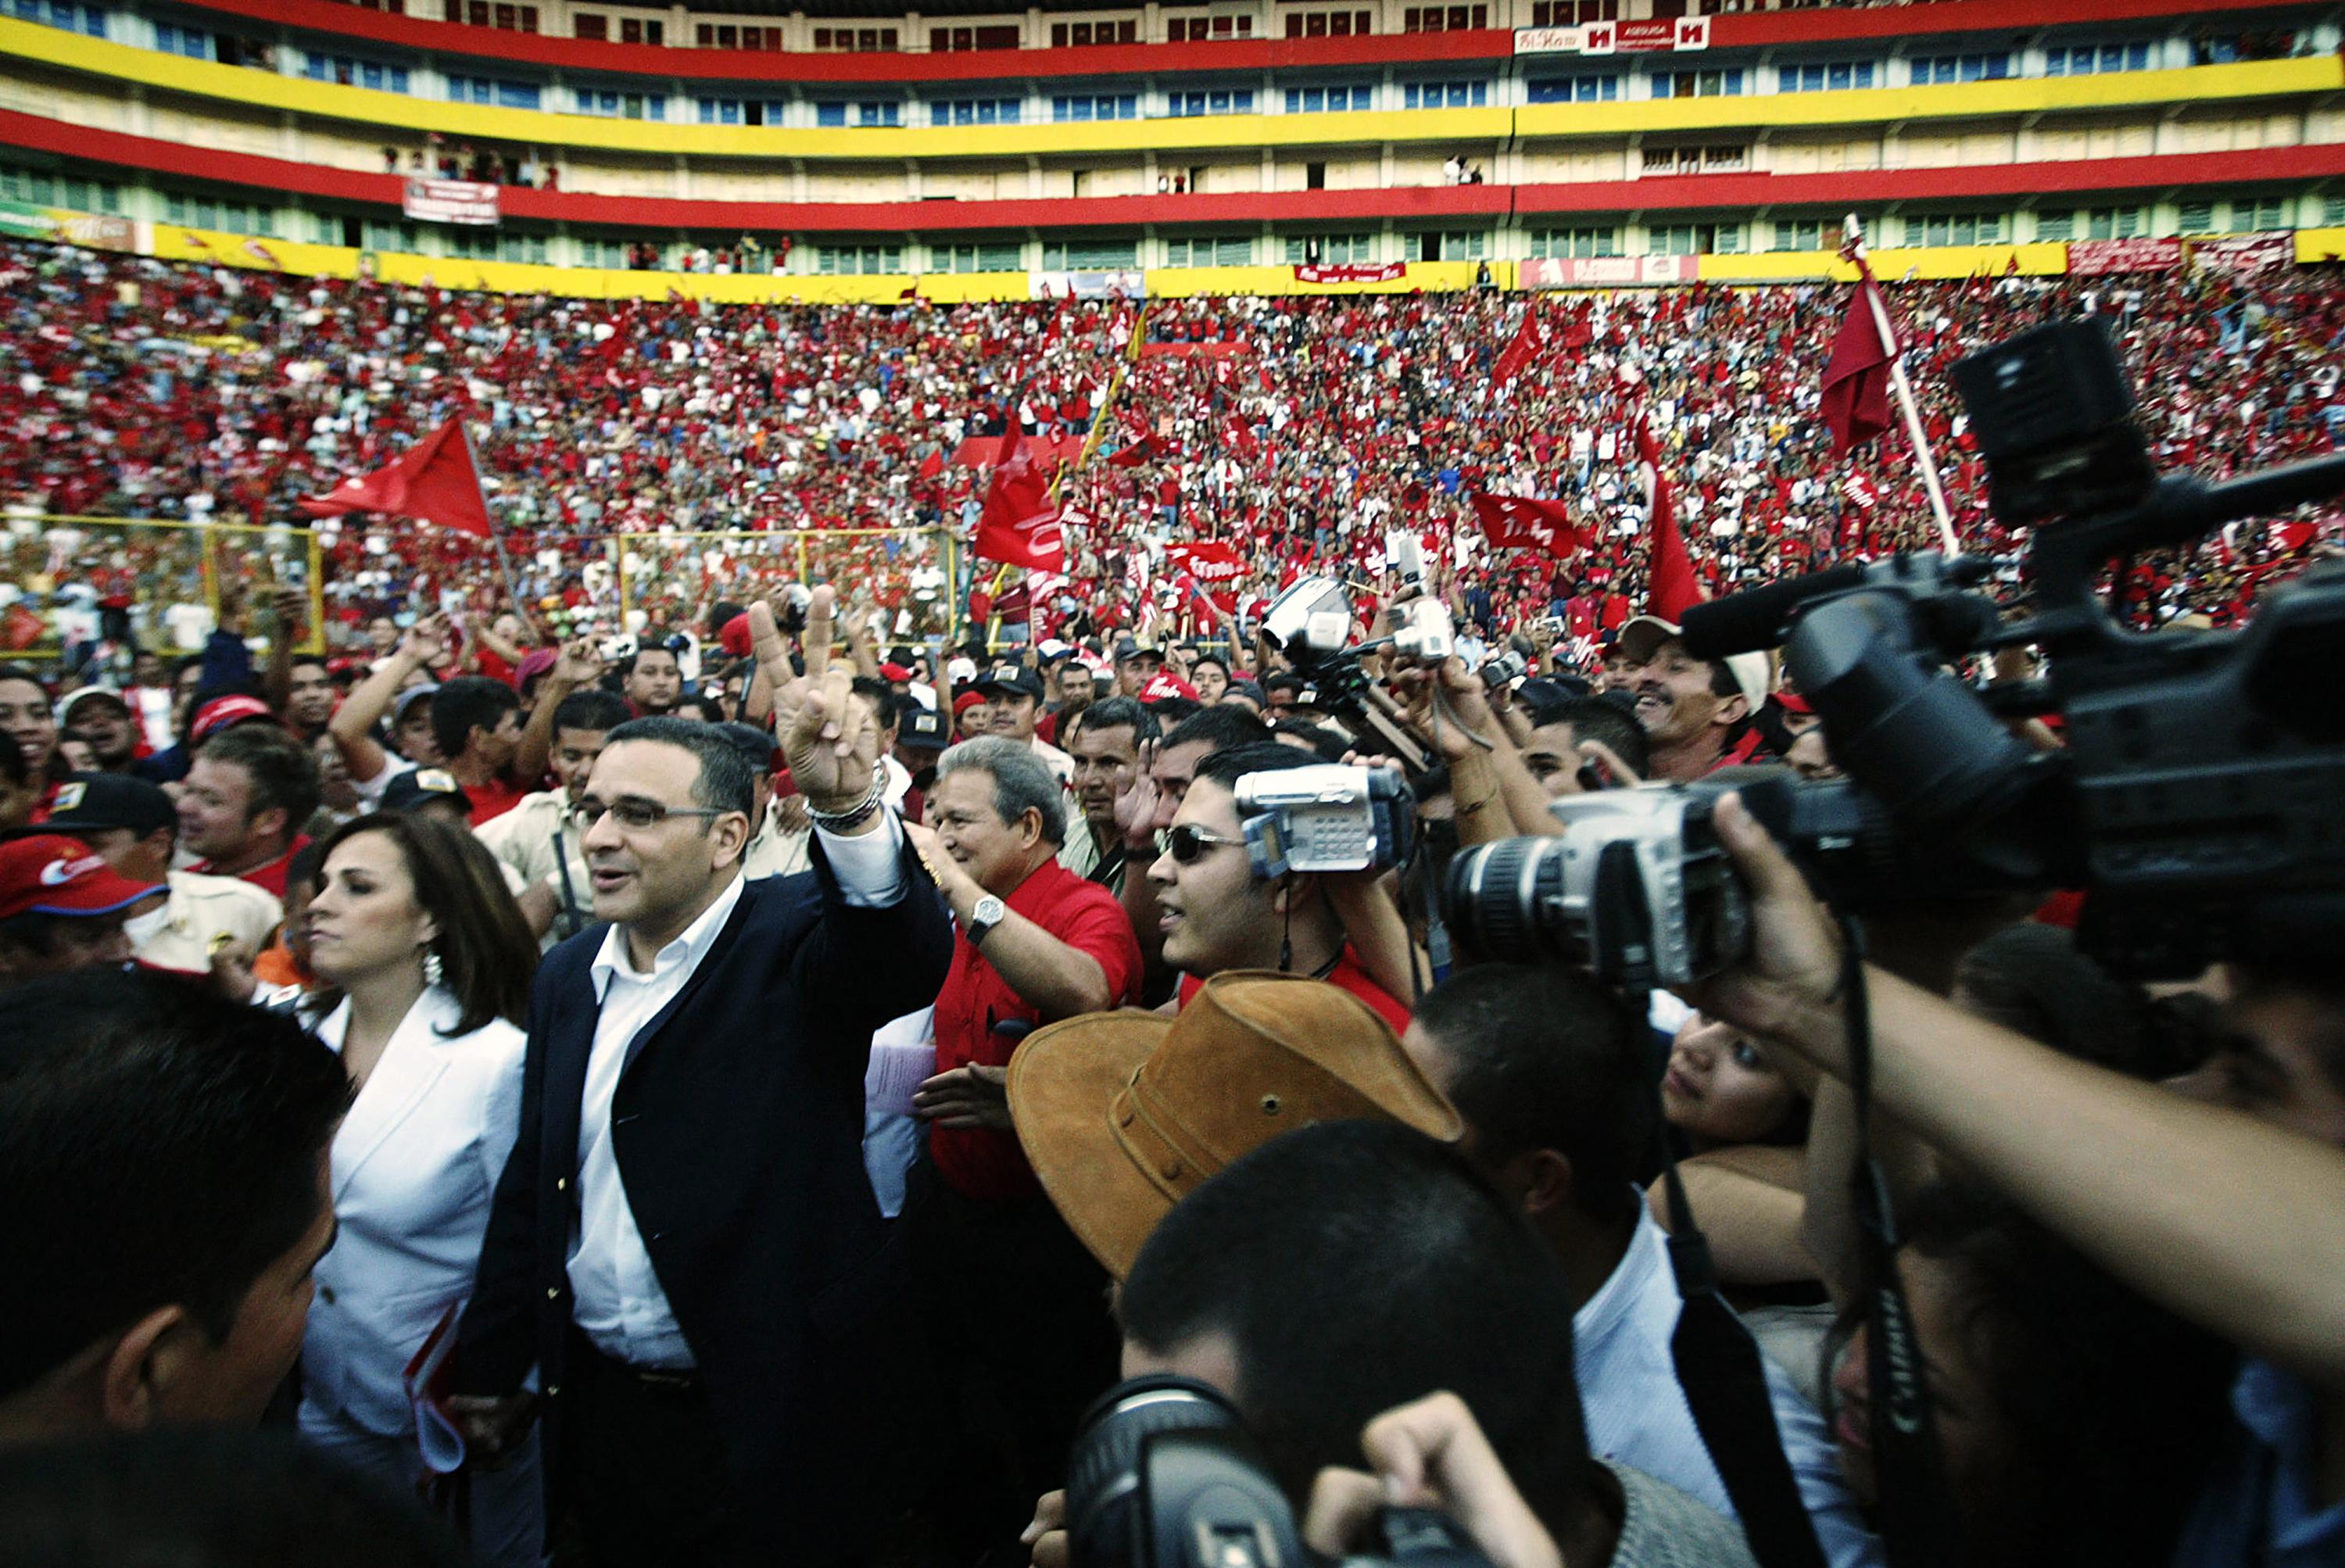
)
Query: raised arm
[
  {"x": 352, "y": 725},
  {"x": 577, "y": 665}
]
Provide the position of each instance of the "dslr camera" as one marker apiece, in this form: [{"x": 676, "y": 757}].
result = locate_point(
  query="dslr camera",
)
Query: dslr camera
[
  {"x": 2194, "y": 798},
  {"x": 1327, "y": 818},
  {"x": 1164, "y": 1475}
]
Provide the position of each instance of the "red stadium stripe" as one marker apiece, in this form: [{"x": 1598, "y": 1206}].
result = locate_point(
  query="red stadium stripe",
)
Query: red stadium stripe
[{"x": 1669, "y": 193}]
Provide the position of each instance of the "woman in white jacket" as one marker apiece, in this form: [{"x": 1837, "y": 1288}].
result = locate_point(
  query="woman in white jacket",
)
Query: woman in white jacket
[{"x": 426, "y": 962}]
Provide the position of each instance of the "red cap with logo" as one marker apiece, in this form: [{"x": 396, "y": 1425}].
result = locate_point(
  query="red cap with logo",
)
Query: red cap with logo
[
  {"x": 1166, "y": 684},
  {"x": 54, "y": 875},
  {"x": 221, "y": 712}
]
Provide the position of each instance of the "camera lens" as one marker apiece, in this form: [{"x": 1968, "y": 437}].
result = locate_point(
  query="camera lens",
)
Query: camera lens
[
  {"x": 1505, "y": 902},
  {"x": 1104, "y": 1467}
]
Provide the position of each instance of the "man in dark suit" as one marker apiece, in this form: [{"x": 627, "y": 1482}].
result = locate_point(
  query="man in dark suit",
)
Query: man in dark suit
[{"x": 684, "y": 1244}]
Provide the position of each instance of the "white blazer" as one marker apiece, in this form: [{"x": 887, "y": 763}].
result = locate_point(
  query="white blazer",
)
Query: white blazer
[{"x": 414, "y": 1166}]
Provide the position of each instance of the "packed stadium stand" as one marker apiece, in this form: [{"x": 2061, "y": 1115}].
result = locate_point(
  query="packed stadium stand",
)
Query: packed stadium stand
[{"x": 1248, "y": 266}]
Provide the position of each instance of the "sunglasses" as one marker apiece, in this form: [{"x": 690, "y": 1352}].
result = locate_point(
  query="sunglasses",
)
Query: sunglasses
[{"x": 1187, "y": 843}]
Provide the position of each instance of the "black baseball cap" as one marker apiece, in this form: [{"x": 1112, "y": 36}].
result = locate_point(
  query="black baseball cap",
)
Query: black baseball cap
[
  {"x": 1007, "y": 676},
  {"x": 421, "y": 786},
  {"x": 96, "y": 802},
  {"x": 925, "y": 728}
]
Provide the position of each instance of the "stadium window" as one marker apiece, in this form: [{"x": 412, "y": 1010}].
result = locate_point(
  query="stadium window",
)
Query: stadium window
[
  {"x": 1227, "y": 251},
  {"x": 234, "y": 217},
  {"x": 1076, "y": 35},
  {"x": 942, "y": 40},
  {"x": 852, "y": 260},
  {"x": 1217, "y": 102},
  {"x": 1933, "y": 70},
  {"x": 1729, "y": 159},
  {"x": 2115, "y": 222},
  {"x": 2089, "y": 59},
  {"x": 1676, "y": 239},
  {"x": 73, "y": 18},
  {"x": 594, "y": 29},
  {"x": 1575, "y": 90},
  {"x": 1095, "y": 256},
  {"x": 1434, "y": 245},
  {"x": 2056, "y": 226},
  {"x": 186, "y": 40},
  {"x": 1723, "y": 83},
  {"x": 504, "y": 93},
  {"x": 1334, "y": 249},
  {"x": 2196, "y": 218},
  {"x": 1574, "y": 244},
  {"x": 1203, "y": 29},
  {"x": 637, "y": 30},
  {"x": 1954, "y": 228},
  {"x": 618, "y": 106},
  {"x": 974, "y": 112},
  {"x": 607, "y": 253},
  {"x": 1329, "y": 23},
  {"x": 1335, "y": 100},
  {"x": 352, "y": 72},
  {"x": 1444, "y": 19},
  {"x": 1086, "y": 107},
  {"x": 378, "y": 235},
  {"x": 1825, "y": 76},
  {"x": 1572, "y": 13},
  {"x": 998, "y": 258},
  {"x": 2333, "y": 211},
  {"x": 2269, "y": 212},
  {"x": 1445, "y": 95}
]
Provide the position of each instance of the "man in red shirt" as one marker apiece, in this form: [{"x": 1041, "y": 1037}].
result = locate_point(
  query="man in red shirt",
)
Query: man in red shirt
[
  {"x": 1218, "y": 913},
  {"x": 1016, "y": 1306},
  {"x": 477, "y": 723},
  {"x": 248, "y": 793}
]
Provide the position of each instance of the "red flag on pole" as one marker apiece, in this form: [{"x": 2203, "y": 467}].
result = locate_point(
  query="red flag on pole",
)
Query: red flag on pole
[
  {"x": 1530, "y": 342},
  {"x": 1019, "y": 525},
  {"x": 1671, "y": 587},
  {"x": 1526, "y": 522},
  {"x": 1857, "y": 382},
  {"x": 1133, "y": 453},
  {"x": 435, "y": 480}
]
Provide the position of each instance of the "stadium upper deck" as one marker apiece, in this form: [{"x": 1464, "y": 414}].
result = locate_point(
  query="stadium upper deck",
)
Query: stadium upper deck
[{"x": 1222, "y": 136}]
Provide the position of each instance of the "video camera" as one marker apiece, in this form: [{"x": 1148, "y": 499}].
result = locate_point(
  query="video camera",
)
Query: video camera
[
  {"x": 2196, "y": 797},
  {"x": 1311, "y": 624},
  {"x": 1329, "y": 817},
  {"x": 1164, "y": 1475}
]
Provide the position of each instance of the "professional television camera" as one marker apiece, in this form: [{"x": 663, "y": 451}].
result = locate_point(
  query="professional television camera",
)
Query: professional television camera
[
  {"x": 2196, "y": 795},
  {"x": 1162, "y": 1476}
]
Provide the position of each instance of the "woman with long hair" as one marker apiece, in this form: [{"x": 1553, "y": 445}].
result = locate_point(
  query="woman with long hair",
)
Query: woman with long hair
[{"x": 424, "y": 963}]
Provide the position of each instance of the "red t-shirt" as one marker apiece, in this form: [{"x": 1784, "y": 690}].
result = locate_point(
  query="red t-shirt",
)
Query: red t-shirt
[
  {"x": 271, "y": 876},
  {"x": 493, "y": 799},
  {"x": 1348, "y": 974},
  {"x": 982, "y": 1164}
]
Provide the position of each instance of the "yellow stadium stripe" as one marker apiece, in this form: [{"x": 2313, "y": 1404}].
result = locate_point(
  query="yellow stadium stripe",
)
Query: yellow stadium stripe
[{"x": 155, "y": 70}]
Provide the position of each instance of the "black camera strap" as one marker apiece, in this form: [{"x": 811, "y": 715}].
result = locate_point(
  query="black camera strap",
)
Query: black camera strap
[
  {"x": 1725, "y": 1386},
  {"x": 1917, "y": 1520}
]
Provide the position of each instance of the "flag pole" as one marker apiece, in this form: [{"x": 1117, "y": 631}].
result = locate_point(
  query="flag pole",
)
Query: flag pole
[
  {"x": 1853, "y": 251},
  {"x": 496, "y": 541}
]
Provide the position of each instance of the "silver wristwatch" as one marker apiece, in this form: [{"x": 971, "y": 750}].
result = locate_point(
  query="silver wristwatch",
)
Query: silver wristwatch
[{"x": 989, "y": 912}]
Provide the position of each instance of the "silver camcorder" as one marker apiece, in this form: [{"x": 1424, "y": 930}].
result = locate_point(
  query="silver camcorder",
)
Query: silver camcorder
[
  {"x": 1637, "y": 889},
  {"x": 1324, "y": 818},
  {"x": 1429, "y": 633}
]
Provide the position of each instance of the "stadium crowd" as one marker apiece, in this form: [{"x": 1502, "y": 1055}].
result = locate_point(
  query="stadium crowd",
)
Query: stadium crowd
[
  {"x": 1304, "y": 431},
  {"x": 737, "y": 1088}
]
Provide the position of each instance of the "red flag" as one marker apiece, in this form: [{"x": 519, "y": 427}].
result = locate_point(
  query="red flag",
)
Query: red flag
[
  {"x": 1135, "y": 453},
  {"x": 1526, "y": 523},
  {"x": 1671, "y": 587},
  {"x": 932, "y": 465},
  {"x": 435, "y": 480},
  {"x": 1531, "y": 340},
  {"x": 1857, "y": 382},
  {"x": 1241, "y": 438},
  {"x": 1860, "y": 492},
  {"x": 1019, "y": 526}
]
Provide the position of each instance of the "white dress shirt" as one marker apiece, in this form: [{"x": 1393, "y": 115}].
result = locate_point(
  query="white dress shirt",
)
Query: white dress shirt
[
  {"x": 617, "y": 1300},
  {"x": 1637, "y": 1414}
]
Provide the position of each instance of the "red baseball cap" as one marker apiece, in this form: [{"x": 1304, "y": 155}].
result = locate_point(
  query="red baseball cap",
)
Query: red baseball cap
[
  {"x": 52, "y": 874},
  {"x": 733, "y": 637},
  {"x": 1167, "y": 684},
  {"x": 222, "y": 712}
]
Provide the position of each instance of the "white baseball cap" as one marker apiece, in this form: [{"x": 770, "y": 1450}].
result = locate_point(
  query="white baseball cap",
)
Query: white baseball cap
[{"x": 1642, "y": 637}]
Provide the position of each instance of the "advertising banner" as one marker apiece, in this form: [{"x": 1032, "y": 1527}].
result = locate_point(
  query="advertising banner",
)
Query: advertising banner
[
  {"x": 2092, "y": 258},
  {"x": 1608, "y": 272},
  {"x": 1352, "y": 273},
  {"x": 450, "y": 201}
]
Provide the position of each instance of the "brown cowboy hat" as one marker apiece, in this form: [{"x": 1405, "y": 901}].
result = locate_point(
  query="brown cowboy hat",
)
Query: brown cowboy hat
[{"x": 1124, "y": 1114}]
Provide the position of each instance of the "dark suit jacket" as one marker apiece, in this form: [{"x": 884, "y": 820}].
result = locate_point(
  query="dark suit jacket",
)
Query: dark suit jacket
[{"x": 738, "y": 1126}]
